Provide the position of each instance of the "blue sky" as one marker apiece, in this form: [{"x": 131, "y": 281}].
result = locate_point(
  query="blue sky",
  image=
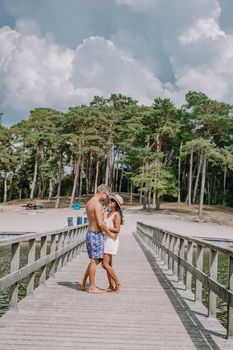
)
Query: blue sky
[{"x": 60, "y": 53}]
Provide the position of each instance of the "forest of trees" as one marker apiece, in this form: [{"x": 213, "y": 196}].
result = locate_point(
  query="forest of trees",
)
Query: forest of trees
[{"x": 180, "y": 154}]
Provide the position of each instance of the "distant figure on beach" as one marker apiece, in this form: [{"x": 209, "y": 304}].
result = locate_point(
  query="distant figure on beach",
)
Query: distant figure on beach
[
  {"x": 95, "y": 237},
  {"x": 113, "y": 219},
  {"x": 32, "y": 204}
]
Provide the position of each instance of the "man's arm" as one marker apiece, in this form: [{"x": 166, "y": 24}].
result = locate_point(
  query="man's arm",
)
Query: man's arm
[{"x": 100, "y": 222}]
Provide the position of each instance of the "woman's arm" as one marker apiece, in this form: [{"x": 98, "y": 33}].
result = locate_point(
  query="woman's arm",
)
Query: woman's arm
[
  {"x": 101, "y": 224},
  {"x": 116, "y": 223}
]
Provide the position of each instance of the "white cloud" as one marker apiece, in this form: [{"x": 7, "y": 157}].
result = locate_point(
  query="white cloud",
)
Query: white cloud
[
  {"x": 203, "y": 29},
  {"x": 138, "y": 5},
  {"x": 142, "y": 48},
  {"x": 33, "y": 71},
  {"x": 37, "y": 72}
]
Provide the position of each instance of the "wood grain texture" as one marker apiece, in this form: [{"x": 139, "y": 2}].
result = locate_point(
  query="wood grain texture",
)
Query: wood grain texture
[{"x": 142, "y": 316}]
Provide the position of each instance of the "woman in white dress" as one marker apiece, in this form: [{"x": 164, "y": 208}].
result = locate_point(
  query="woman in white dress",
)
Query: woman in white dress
[{"x": 113, "y": 220}]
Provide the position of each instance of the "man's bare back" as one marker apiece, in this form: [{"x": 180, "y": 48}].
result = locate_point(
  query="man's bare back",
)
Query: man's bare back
[{"x": 91, "y": 207}]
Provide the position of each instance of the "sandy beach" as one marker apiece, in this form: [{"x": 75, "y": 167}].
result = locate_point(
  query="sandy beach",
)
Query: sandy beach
[{"x": 15, "y": 218}]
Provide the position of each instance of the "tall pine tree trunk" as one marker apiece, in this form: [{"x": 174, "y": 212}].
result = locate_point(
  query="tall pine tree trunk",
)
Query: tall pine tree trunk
[
  {"x": 179, "y": 176},
  {"x": 208, "y": 192},
  {"x": 96, "y": 174},
  {"x": 112, "y": 172},
  {"x": 5, "y": 187},
  {"x": 131, "y": 193},
  {"x": 59, "y": 179},
  {"x": 34, "y": 178},
  {"x": 90, "y": 173},
  {"x": 81, "y": 179},
  {"x": 157, "y": 203},
  {"x": 190, "y": 179},
  {"x": 149, "y": 200},
  {"x": 224, "y": 185},
  {"x": 154, "y": 199},
  {"x": 77, "y": 169},
  {"x": 140, "y": 198},
  {"x": 50, "y": 189},
  {"x": 197, "y": 179},
  {"x": 116, "y": 177},
  {"x": 108, "y": 166},
  {"x": 200, "y": 212},
  {"x": 121, "y": 178}
]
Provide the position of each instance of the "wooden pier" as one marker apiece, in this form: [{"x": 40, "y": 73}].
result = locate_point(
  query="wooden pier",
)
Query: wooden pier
[{"x": 152, "y": 311}]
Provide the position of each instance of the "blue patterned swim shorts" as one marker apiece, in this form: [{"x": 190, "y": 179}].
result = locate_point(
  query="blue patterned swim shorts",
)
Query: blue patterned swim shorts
[{"x": 95, "y": 244}]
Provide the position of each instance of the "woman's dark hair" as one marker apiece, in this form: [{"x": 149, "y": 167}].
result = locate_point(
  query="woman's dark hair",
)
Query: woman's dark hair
[{"x": 118, "y": 208}]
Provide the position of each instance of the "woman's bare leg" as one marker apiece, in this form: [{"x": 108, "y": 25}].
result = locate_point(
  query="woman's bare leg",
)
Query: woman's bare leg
[
  {"x": 111, "y": 287},
  {"x": 112, "y": 277}
]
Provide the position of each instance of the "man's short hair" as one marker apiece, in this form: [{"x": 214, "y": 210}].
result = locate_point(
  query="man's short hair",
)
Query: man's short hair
[{"x": 103, "y": 188}]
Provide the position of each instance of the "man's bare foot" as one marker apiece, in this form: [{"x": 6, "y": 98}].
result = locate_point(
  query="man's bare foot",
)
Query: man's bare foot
[
  {"x": 82, "y": 286},
  {"x": 94, "y": 290}
]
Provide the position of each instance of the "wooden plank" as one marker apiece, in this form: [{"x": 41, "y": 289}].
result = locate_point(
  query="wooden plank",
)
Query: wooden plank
[{"x": 61, "y": 316}]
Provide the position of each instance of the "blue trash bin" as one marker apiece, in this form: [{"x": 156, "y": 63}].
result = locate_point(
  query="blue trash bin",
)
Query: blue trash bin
[
  {"x": 79, "y": 220},
  {"x": 85, "y": 221},
  {"x": 70, "y": 221}
]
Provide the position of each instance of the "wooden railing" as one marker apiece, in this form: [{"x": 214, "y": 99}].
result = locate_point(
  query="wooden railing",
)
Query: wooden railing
[
  {"x": 176, "y": 251},
  {"x": 56, "y": 248}
]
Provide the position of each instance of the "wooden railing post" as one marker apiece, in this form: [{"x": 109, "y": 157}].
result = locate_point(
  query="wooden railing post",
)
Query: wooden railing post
[
  {"x": 198, "y": 291},
  {"x": 31, "y": 259},
  {"x": 178, "y": 261},
  {"x": 53, "y": 250},
  {"x": 43, "y": 252},
  {"x": 59, "y": 246},
  {"x": 158, "y": 248},
  {"x": 170, "y": 258},
  {"x": 181, "y": 255},
  {"x": 69, "y": 241},
  {"x": 176, "y": 251},
  {"x": 188, "y": 284},
  {"x": 167, "y": 246},
  {"x": 15, "y": 255},
  {"x": 66, "y": 241},
  {"x": 230, "y": 308},
  {"x": 154, "y": 240},
  {"x": 213, "y": 275}
]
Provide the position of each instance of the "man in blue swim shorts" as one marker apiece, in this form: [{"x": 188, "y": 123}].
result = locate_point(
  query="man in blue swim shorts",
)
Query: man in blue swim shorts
[{"x": 95, "y": 236}]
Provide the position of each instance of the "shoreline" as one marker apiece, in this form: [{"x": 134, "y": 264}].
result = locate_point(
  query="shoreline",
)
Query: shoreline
[{"x": 15, "y": 218}]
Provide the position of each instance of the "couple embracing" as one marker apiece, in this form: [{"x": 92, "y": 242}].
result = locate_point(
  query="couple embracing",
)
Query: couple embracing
[{"x": 102, "y": 238}]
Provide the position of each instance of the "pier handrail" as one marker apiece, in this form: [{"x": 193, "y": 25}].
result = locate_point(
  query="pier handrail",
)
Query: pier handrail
[
  {"x": 176, "y": 251},
  {"x": 64, "y": 245}
]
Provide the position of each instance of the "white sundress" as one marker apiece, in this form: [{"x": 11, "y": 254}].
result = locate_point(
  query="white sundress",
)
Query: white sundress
[{"x": 110, "y": 245}]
